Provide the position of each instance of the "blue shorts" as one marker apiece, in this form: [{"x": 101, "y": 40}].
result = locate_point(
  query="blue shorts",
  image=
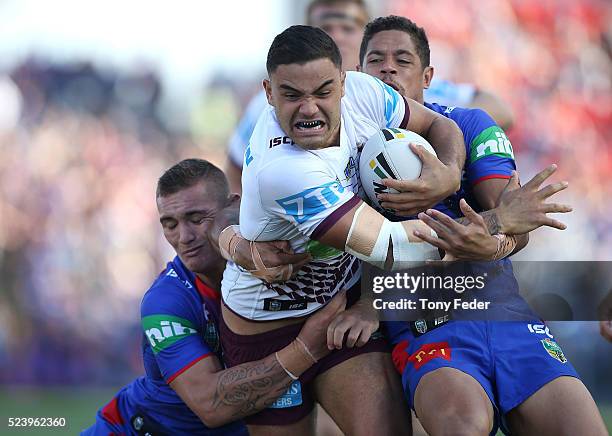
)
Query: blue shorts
[{"x": 510, "y": 360}]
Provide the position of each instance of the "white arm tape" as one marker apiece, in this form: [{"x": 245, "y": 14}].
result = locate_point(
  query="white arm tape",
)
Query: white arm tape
[{"x": 369, "y": 236}]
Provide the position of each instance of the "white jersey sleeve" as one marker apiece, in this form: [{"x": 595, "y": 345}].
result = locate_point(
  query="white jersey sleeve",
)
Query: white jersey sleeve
[
  {"x": 448, "y": 93},
  {"x": 375, "y": 100},
  {"x": 240, "y": 138}
]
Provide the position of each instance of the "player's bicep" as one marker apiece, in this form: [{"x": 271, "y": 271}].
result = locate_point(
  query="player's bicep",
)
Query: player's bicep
[{"x": 488, "y": 191}]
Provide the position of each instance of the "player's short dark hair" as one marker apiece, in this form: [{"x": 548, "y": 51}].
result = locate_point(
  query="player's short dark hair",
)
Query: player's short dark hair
[
  {"x": 314, "y": 3},
  {"x": 301, "y": 44},
  {"x": 188, "y": 173},
  {"x": 403, "y": 24}
]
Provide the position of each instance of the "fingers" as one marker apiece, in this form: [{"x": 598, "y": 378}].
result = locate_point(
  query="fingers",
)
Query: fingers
[
  {"x": 513, "y": 183},
  {"x": 470, "y": 213},
  {"x": 435, "y": 225},
  {"x": 549, "y": 190},
  {"x": 298, "y": 265},
  {"x": 549, "y": 222},
  {"x": 415, "y": 185},
  {"x": 436, "y": 242},
  {"x": 422, "y": 153},
  {"x": 354, "y": 334},
  {"x": 556, "y": 208},
  {"x": 284, "y": 246},
  {"x": 445, "y": 220},
  {"x": 539, "y": 178}
]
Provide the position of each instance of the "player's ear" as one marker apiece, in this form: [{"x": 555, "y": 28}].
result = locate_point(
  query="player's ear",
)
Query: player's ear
[
  {"x": 268, "y": 88},
  {"x": 428, "y": 73},
  {"x": 233, "y": 198}
]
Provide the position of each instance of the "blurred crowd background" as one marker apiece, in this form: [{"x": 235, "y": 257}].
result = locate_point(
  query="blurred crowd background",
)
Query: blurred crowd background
[{"x": 82, "y": 142}]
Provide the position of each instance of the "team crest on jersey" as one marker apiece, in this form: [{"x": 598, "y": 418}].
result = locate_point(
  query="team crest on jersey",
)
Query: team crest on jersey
[
  {"x": 304, "y": 205},
  {"x": 421, "y": 326},
  {"x": 554, "y": 350},
  {"x": 351, "y": 168},
  {"x": 211, "y": 336}
]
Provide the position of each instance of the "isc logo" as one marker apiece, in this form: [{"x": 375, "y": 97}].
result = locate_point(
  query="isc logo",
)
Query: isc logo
[
  {"x": 541, "y": 329},
  {"x": 280, "y": 140}
]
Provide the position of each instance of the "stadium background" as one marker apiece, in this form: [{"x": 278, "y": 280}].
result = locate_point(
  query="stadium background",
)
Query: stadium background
[{"x": 98, "y": 98}]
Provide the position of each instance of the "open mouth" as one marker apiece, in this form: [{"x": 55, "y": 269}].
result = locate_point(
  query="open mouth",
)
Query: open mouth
[{"x": 309, "y": 125}]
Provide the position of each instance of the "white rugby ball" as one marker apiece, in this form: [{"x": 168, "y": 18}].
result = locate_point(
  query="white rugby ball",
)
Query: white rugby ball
[{"x": 387, "y": 155}]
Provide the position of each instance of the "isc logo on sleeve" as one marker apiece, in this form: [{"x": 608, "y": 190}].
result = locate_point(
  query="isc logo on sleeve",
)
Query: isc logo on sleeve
[{"x": 311, "y": 201}]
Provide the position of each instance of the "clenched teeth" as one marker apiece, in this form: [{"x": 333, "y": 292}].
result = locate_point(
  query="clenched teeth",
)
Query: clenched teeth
[{"x": 316, "y": 124}]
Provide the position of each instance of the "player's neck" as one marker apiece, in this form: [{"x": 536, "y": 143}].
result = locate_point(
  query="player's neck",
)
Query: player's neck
[{"x": 212, "y": 278}]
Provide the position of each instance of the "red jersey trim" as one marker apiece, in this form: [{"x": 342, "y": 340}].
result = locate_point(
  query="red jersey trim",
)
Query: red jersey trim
[
  {"x": 206, "y": 291},
  {"x": 186, "y": 367},
  {"x": 492, "y": 176},
  {"x": 111, "y": 413}
]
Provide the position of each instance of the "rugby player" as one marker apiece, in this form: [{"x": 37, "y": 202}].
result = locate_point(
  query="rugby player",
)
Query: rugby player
[
  {"x": 185, "y": 389},
  {"x": 299, "y": 183},
  {"x": 344, "y": 21},
  {"x": 496, "y": 372}
]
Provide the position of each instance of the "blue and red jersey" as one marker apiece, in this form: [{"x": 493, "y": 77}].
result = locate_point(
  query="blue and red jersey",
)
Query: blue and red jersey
[{"x": 179, "y": 318}]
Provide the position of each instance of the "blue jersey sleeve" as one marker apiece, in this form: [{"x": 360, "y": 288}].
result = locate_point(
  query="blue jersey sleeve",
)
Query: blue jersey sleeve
[
  {"x": 489, "y": 153},
  {"x": 171, "y": 323}
]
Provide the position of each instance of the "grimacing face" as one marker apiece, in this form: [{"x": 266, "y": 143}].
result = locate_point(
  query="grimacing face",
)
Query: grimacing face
[
  {"x": 344, "y": 22},
  {"x": 392, "y": 57},
  {"x": 186, "y": 217},
  {"x": 306, "y": 98}
]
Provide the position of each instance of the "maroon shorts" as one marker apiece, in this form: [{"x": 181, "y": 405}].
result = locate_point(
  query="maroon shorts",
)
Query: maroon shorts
[{"x": 239, "y": 349}]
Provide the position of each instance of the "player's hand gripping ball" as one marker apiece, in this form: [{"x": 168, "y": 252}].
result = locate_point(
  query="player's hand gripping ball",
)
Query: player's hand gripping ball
[{"x": 387, "y": 155}]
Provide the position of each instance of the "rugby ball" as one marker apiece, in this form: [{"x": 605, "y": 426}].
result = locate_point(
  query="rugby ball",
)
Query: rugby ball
[{"x": 386, "y": 155}]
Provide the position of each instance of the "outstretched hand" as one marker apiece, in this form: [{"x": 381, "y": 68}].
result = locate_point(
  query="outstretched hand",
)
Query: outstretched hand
[{"x": 521, "y": 209}]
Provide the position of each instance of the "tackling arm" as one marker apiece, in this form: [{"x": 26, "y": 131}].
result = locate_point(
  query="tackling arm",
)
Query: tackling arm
[{"x": 219, "y": 396}]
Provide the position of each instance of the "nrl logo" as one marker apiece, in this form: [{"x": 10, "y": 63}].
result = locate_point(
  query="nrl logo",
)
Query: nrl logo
[
  {"x": 421, "y": 326},
  {"x": 553, "y": 349}
]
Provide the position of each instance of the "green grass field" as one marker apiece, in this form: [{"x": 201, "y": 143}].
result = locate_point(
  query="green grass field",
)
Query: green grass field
[{"x": 79, "y": 407}]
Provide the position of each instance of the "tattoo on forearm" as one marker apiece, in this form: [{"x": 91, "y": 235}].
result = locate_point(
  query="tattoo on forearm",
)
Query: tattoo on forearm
[
  {"x": 249, "y": 388},
  {"x": 490, "y": 218},
  {"x": 492, "y": 221}
]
